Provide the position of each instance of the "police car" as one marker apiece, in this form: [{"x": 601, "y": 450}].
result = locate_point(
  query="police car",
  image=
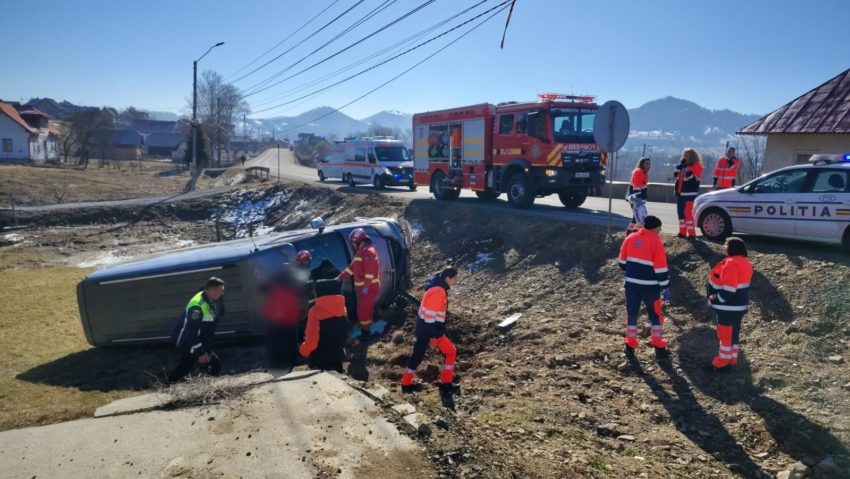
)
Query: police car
[{"x": 807, "y": 202}]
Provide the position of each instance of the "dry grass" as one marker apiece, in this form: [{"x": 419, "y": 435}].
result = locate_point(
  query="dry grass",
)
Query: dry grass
[
  {"x": 38, "y": 186},
  {"x": 40, "y": 324}
]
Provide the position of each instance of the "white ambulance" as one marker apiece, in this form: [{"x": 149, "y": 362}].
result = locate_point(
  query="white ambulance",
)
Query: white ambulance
[
  {"x": 379, "y": 161},
  {"x": 807, "y": 202}
]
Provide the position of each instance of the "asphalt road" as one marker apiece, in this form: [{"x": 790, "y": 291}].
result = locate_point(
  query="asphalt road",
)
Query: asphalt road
[{"x": 594, "y": 211}]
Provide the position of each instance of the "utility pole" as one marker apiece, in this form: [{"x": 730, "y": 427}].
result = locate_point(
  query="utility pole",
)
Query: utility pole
[
  {"x": 278, "y": 161},
  {"x": 195, "y": 109}
]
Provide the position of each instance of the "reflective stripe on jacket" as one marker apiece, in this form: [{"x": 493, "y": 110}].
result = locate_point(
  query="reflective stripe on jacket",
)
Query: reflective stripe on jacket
[
  {"x": 726, "y": 171},
  {"x": 644, "y": 260},
  {"x": 729, "y": 282},
  {"x": 364, "y": 268}
]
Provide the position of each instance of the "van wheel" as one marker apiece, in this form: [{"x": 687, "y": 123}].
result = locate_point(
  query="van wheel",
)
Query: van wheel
[
  {"x": 440, "y": 191},
  {"x": 520, "y": 194},
  {"x": 411, "y": 186},
  {"x": 322, "y": 176},
  {"x": 351, "y": 182},
  {"x": 572, "y": 200},
  {"x": 715, "y": 224},
  {"x": 378, "y": 183}
]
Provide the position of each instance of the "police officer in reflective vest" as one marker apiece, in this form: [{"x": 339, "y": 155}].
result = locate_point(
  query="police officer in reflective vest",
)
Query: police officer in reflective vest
[
  {"x": 431, "y": 331},
  {"x": 644, "y": 261},
  {"x": 195, "y": 331},
  {"x": 366, "y": 271},
  {"x": 726, "y": 170},
  {"x": 729, "y": 298}
]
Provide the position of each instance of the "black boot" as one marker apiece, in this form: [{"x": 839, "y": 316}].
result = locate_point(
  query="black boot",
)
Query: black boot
[
  {"x": 447, "y": 393},
  {"x": 411, "y": 388},
  {"x": 662, "y": 354}
]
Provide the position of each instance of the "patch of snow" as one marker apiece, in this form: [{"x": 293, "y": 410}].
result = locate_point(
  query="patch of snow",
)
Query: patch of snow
[
  {"x": 416, "y": 228},
  {"x": 483, "y": 260},
  {"x": 250, "y": 213},
  {"x": 13, "y": 237},
  {"x": 184, "y": 243}
]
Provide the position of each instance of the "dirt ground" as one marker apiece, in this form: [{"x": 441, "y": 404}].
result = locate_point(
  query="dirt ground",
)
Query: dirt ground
[{"x": 552, "y": 397}]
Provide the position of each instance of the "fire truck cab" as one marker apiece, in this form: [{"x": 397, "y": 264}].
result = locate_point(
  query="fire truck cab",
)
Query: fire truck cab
[{"x": 525, "y": 150}]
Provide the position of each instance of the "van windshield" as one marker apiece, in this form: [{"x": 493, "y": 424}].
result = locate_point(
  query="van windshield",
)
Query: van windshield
[{"x": 392, "y": 153}]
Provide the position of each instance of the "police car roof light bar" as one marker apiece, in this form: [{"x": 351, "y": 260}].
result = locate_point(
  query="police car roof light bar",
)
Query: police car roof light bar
[{"x": 541, "y": 97}]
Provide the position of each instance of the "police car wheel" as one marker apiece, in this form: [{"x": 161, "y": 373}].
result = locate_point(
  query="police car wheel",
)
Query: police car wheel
[
  {"x": 715, "y": 224},
  {"x": 846, "y": 239}
]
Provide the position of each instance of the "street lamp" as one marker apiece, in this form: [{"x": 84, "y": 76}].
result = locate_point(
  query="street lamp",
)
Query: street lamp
[{"x": 195, "y": 107}]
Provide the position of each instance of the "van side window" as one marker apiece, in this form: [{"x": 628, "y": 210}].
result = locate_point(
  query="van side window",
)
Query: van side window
[
  {"x": 360, "y": 154},
  {"x": 506, "y": 124}
]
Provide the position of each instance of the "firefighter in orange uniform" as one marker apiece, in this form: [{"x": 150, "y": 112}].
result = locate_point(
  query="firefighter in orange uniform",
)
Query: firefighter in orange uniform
[
  {"x": 729, "y": 298},
  {"x": 726, "y": 170},
  {"x": 644, "y": 261},
  {"x": 366, "y": 271},
  {"x": 431, "y": 330},
  {"x": 638, "y": 187},
  {"x": 327, "y": 328},
  {"x": 688, "y": 175}
]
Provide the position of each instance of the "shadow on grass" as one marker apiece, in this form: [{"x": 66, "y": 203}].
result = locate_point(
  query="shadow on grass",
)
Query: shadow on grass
[
  {"x": 135, "y": 368},
  {"x": 793, "y": 433}
]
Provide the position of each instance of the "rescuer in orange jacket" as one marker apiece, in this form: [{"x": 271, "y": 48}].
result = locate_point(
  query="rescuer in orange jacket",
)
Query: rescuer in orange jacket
[
  {"x": 644, "y": 261},
  {"x": 729, "y": 298},
  {"x": 726, "y": 170},
  {"x": 327, "y": 328},
  {"x": 638, "y": 187},
  {"x": 366, "y": 271},
  {"x": 688, "y": 175},
  {"x": 431, "y": 330}
]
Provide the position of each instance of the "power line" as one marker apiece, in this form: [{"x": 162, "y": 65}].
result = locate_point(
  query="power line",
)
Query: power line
[
  {"x": 499, "y": 6},
  {"x": 362, "y": 61},
  {"x": 285, "y": 39},
  {"x": 421, "y": 6},
  {"x": 335, "y": 110},
  {"x": 301, "y": 42},
  {"x": 357, "y": 23}
]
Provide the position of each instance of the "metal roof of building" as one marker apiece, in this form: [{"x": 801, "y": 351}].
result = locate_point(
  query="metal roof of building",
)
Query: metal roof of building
[{"x": 822, "y": 110}]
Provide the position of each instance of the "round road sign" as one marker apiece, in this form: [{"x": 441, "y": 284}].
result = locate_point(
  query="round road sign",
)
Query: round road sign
[{"x": 611, "y": 126}]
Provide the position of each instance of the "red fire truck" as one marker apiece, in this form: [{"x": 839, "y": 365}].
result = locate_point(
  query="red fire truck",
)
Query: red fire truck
[{"x": 525, "y": 150}]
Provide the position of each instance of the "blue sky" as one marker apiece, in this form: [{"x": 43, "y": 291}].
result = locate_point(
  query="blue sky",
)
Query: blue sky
[{"x": 751, "y": 56}]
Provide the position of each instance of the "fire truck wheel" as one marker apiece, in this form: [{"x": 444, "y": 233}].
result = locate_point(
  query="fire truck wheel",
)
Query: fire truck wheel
[
  {"x": 351, "y": 182},
  {"x": 572, "y": 200},
  {"x": 520, "y": 194},
  {"x": 487, "y": 195},
  {"x": 378, "y": 183},
  {"x": 441, "y": 192}
]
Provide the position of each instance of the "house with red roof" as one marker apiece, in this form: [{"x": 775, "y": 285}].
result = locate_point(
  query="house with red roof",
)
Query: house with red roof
[
  {"x": 816, "y": 122},
  {"x": 25, "y": 134}
]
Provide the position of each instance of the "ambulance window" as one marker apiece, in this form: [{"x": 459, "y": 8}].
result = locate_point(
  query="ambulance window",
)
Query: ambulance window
[
  {"x": 784, "y": 182},
  {"x": 830, "y": 181},
  {"x": 506, "y": 124},
  {"x": 360, "y": 154}
]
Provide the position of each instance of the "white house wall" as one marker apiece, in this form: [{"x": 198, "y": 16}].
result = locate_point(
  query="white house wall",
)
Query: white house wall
[
  {"x": 20, "y": 140},
  {"x": 783, "y": 150}
]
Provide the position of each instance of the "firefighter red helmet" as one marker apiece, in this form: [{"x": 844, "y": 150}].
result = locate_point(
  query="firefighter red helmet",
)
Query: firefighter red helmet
[
  {"x": 357, "y": 236},
  {"x": 303, "y": 257}
]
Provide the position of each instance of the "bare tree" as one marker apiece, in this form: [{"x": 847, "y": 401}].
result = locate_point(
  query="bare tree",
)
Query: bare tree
[
  {"x": 67, "y": 140},
  {"x": 750, "y": 149},
  {"x": 131, "y": 113},
  {"x": 220, "y": 104},
  {"x": 90, "y": 128}
]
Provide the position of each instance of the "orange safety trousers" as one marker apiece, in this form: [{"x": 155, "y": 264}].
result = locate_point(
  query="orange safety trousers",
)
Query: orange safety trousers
[{"x": 444, "y": 345}]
